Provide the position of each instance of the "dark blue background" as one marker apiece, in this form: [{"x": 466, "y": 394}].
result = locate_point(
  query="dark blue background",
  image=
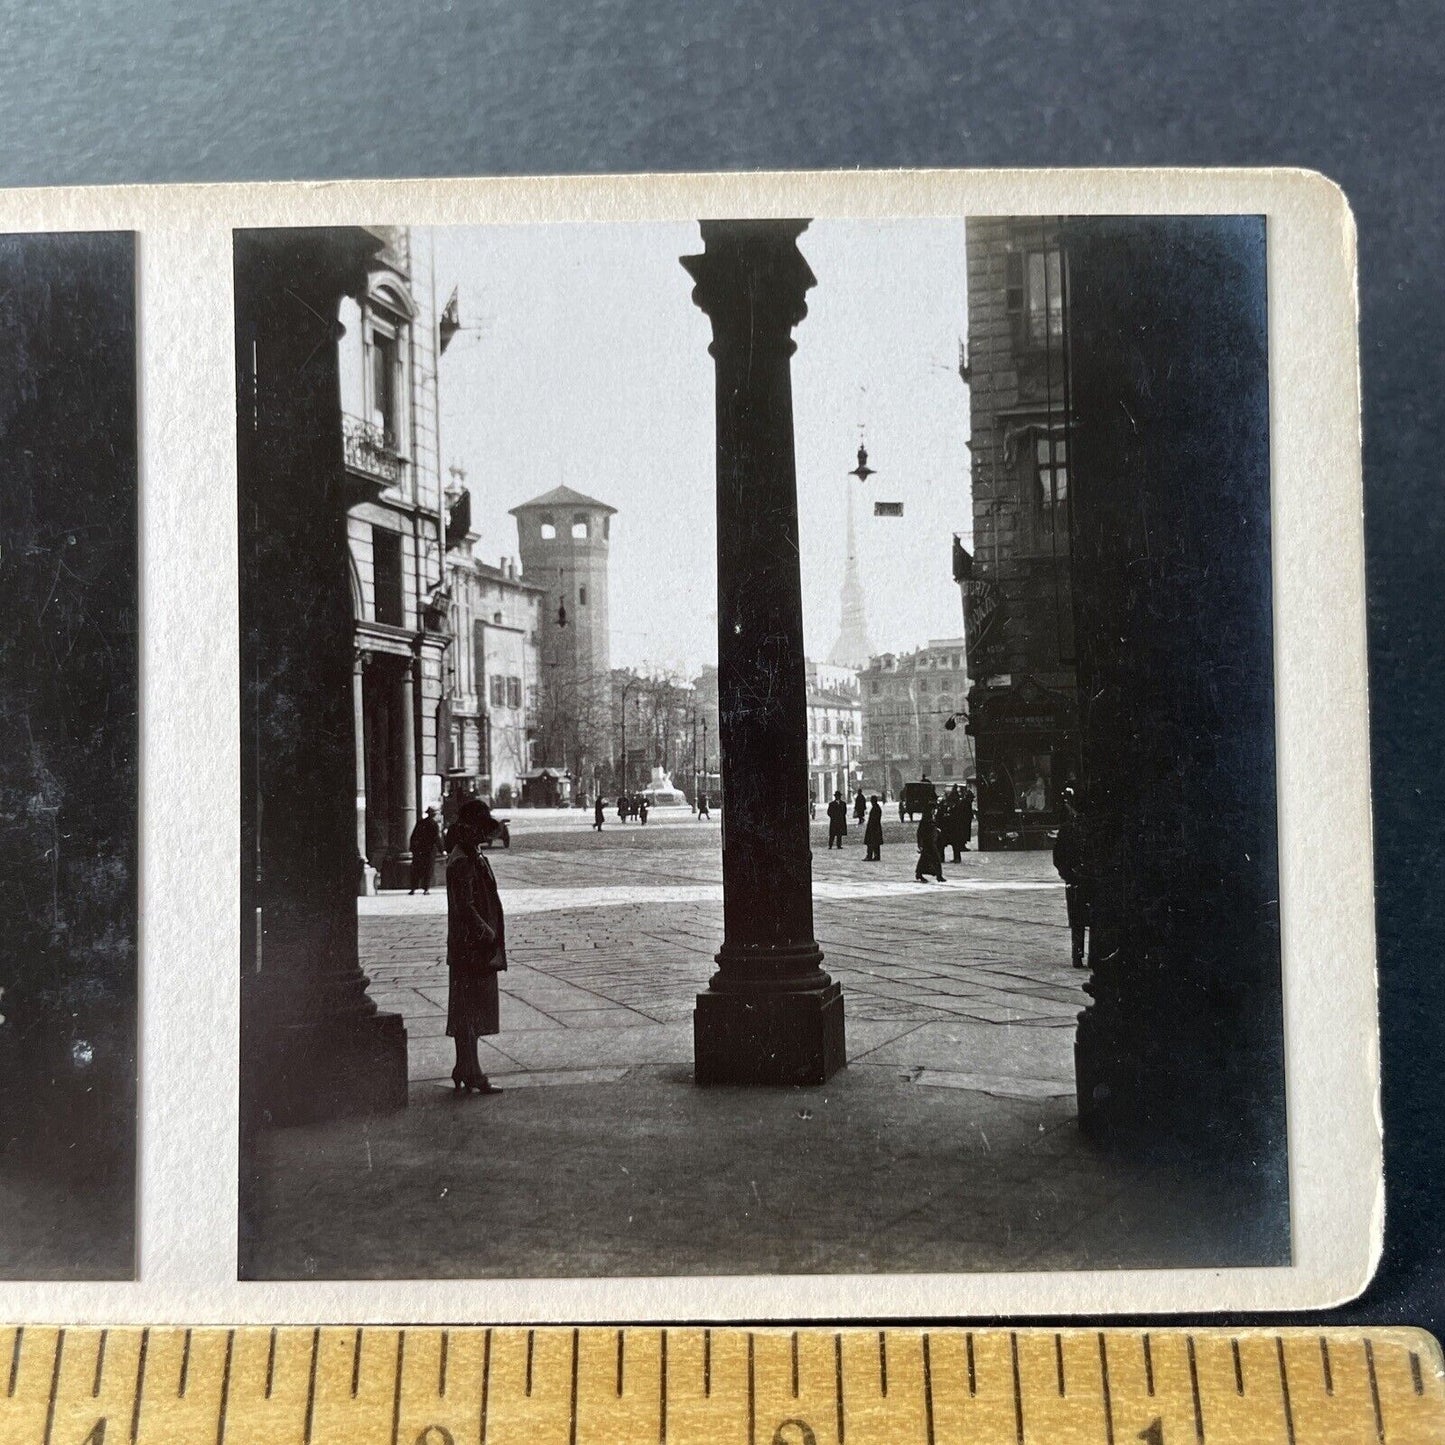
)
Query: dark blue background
[{"x": 170, "y": 90}]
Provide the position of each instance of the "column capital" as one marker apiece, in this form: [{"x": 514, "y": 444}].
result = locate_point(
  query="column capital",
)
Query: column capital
[{"x": 751, "y": 280}]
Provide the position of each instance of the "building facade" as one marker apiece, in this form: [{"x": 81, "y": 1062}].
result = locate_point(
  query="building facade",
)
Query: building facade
[
  {"x": 387, "y": 361},
  {"x": 563, "y": 540},
  {"x": 1017, "y": 583},
  {"x": 907, "y": 699},
  {"x": 492, "y": 694},
  {"x": 835, "y": 731}
]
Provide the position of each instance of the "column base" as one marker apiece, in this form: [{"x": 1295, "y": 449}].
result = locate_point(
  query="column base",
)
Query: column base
[
  {"x": 307, "y": 1073},
  {"x": 769, "y": 1038},
  {"x": 395, "y": 871},
  {"x": 1158, "y": 1086}
]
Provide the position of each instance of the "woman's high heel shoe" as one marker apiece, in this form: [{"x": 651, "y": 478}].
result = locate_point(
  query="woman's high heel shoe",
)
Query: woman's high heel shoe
[{"x": 460, "y": 1081}]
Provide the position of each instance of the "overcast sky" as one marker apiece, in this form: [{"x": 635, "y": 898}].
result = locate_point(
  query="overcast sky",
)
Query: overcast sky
[{"x": 583, "y": 361}]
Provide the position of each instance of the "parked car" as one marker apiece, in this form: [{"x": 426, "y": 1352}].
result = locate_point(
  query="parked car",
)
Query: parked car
[
  {"x": 500, "y": 832},
  {"x": 910, "y": 803}
]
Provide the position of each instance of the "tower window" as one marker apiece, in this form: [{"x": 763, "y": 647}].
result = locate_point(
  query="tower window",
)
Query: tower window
[
  {"x": 549, "y": 529},
  {"x": 581, "y": 596},
  {"x": 579, "y": 528}
]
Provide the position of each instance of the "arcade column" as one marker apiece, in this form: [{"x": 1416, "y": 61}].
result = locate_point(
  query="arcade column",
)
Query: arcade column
[
  {"x": 1170, "y": 499},
  {"x": 313, "y": 1045},
  {"x": 770, "y": 1015}
]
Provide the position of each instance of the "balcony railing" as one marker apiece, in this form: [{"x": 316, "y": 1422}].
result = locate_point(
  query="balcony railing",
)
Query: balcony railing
[{"x": 365, "y": 449}]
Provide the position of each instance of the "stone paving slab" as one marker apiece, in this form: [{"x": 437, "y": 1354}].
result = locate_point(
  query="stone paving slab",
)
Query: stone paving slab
[{"x": 949, "y": 1142}]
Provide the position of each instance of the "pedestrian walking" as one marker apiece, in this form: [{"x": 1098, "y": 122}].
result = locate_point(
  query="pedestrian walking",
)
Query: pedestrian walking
[
  {"x": 702, "y": 811},
  {"x": 642, "y": 810},
  {"x": 860, "y": 807},
  {"x": 1071, "y": 858},
  {"x": 597, "y": 813},
  {"x": 965, "y": 824},
  {"x": 930, "y": 852},
  {"x": 837, "y": 821},
  {"x": 425, "y": 843},
  {"x": 476, "y": 946},
  {"x": 873, "y": 833}
]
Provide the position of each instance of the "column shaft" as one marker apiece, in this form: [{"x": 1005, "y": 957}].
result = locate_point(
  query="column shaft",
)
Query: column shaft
[
  {"x": 313, "y": 1043},
  {"x": 771, "y": 1014}
]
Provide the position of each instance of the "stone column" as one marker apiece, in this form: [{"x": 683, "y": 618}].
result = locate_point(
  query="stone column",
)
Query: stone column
[
  {"x": 1170, "y": 499},
  {"x": 403, "y": 777},
  {"x": 313, "y": 1044},
  {"x": 771, "y": 1015}
]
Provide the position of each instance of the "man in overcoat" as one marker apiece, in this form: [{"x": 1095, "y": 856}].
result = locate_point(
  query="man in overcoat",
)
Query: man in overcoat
[{"x": 425, "y": 843}]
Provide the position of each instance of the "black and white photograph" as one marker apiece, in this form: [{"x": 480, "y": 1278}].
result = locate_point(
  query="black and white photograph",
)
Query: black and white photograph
[
  {"x": 758, "y": 748},
  {"x": 69, "y": 697}
]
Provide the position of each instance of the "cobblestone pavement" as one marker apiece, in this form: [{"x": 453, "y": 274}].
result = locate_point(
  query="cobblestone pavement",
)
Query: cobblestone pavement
[
  {"x": 610, "y": 937},
  {"x": 948, "y": 1144}
]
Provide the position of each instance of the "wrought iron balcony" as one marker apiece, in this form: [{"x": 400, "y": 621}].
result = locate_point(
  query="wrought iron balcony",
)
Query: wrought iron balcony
[{"x": 366, "y": 449}]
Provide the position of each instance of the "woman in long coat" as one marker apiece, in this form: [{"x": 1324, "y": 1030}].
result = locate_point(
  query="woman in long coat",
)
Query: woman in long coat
[
  {"x": 873, "y": 833},
  {"x": 930, "y": 847},
  {"x": 476, "y": 946}
]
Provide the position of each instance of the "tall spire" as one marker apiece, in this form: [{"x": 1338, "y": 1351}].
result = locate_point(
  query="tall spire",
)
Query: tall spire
[{"x": 852, "y": 649}]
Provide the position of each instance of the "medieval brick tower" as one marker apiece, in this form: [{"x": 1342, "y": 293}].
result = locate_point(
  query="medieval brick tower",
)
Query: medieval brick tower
[{"x": 563, "y": 539}]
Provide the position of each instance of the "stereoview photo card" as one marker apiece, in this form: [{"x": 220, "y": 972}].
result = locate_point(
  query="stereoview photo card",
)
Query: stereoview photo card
[{"x": 756, "y": 747}]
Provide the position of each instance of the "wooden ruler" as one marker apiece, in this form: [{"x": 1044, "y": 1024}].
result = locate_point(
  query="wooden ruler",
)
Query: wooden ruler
[{"x": 723, "y": 1386}]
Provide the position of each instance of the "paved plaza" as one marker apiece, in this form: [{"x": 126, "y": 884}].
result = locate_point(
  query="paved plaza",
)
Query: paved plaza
[{"x": 948, "y": 1143}]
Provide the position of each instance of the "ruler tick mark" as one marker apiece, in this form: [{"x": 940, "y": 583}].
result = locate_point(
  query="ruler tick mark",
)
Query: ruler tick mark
[
  {"x": 795, "y": 1363},
  {"x": 15, "y": 1359},
  {"x": 1284, "y": 1389},
  {"x": 356, "y": 1364},
  {"x": 486, "y": 1383},
  {"x": 271, "y": 1363},
  {"x": 972, "y": 1373},
  {"x": 706, "y": 1363},
  {"x": 662, "y": 1390},
  {"x": 1148, "y": 1366},
  {"x": 1416, "y": 1378},
  {"x": 442, "y": 1364},
  {"x": 838, "y": 1378},
  {"x": 311, "y": 1384},
  {"x": 1108, "y": 1397},
  {"x": 225, "y": 1388},
  {"x": 1194, "y": 1390},
  {"x": 185, "y": 1380},
  {"x": 140, "y": 1380},
  {"x": 99, "y": 1365},
  {"x": 1328, "y": 1373},
  {"x": 883, "y": 1364},
  {"x": 928, "y": 1387},
  {"x": 619, "y": 1364},
  {"x": 1059, "y": 1362},
  {"x": 531, "y": 1344},
  {"x": 752, "y": 1395},
  {"x": 396, "y": 1390},
  {"x": 1375, "y": 1392},
  {"x": 1013, "y": 1344},
  {"x": 572, "y": 1428},
  {"x": 1238, "y": 1367},
  {"x": 54, "y": 1385}
]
